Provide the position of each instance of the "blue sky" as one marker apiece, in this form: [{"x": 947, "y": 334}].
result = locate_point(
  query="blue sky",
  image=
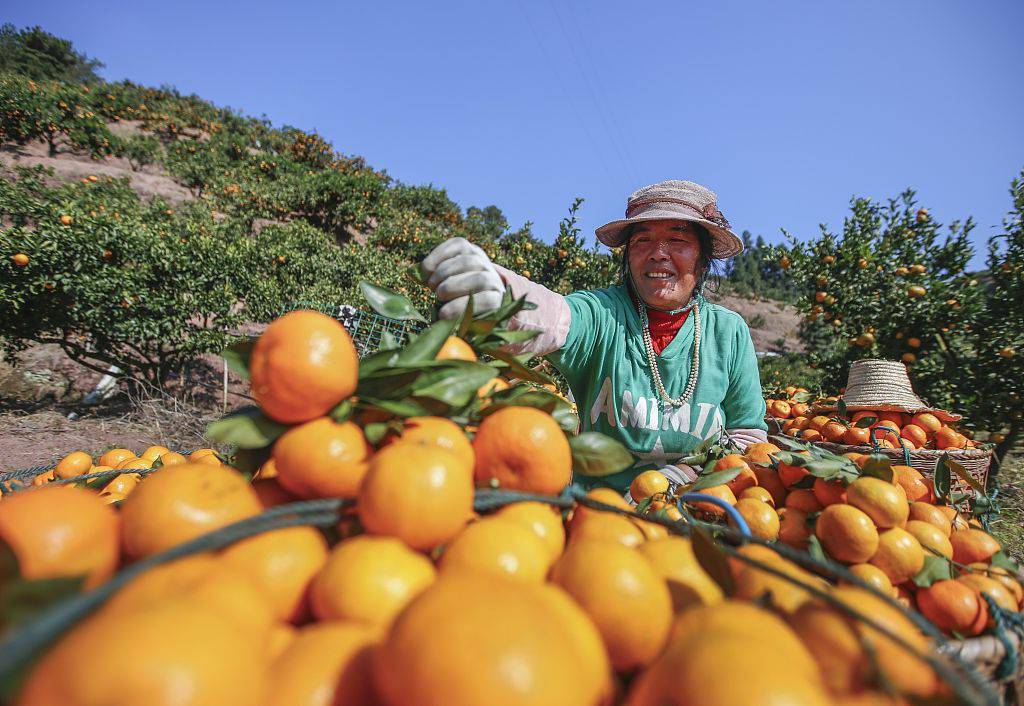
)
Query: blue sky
[{"x": 786, "y": 109}]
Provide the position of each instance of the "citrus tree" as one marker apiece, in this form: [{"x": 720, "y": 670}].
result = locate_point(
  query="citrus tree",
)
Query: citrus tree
[
  {"x": 998, "y": 372},
  {"x": 893, "y": 284}
]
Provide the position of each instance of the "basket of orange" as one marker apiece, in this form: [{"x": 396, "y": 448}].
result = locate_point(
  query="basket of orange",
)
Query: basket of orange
[{"x": 880, "y": 413}]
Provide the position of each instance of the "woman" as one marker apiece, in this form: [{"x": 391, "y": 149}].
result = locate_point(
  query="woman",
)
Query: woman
[{"x": 650, "y": 361}]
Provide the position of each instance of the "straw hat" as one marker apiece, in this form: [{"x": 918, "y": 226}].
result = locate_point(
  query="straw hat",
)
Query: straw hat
[
  {"x": 884, "y": 385},
  {"x": 680, "y": 201}
]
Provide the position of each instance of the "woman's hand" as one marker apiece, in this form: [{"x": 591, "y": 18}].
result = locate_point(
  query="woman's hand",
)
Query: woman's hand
[{"x": 456, "y": 270}]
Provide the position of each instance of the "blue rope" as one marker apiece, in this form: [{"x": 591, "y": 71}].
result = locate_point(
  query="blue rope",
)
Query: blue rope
[{"x": 732, "y": 512}]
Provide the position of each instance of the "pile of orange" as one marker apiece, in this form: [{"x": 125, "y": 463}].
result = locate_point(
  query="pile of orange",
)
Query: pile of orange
[
  {"x": 414, "y": 598},
  {"x": 882, "y": 530},
  {"x": 887, "y": 429}
]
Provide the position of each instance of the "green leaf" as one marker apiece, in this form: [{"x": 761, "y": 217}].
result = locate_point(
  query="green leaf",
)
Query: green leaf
[
  {"x": 248, "y": 428},
  {"x": 963, "y": 475},
  {"x": 879, "y": 466},
  {"x": 248, "y": 461},
  {"x": 375, "y": 431},
  {"x": 712, "y": 560},
  {"x": 375, "y": 362},
  {"x": 342, "y": 412},
  {"x": 388, "y": 342},
  {"x": 466, "y": 319},
  {"x": 426, "y": 344},
  {"x": 455, "y": 384},
  {"x": 865, "y": 422},
  {"x": 936, "y": 568},
  {"x": 841, "y": 407},
  {"x": 515, "y": 365},
  {"x": 712, "y": 479},
  {"x": 803, "y": 397},
  {"x": 1004, "y": 561},
  {"x": 389, "y": 303},
  {"x": 400, "y": 408},
  {"x": 595, "y": 455},
  {"x": 237, "y": 356},
  {"x": 519, "y": 336},
  {"x": 22, "y": 600},
  {"x": 817, "y": 551},
  {"x": 942, "y": 479}
]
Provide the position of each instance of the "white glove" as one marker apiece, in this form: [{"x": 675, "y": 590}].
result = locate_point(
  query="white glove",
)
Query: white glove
[{"x": 456, "y": 269}]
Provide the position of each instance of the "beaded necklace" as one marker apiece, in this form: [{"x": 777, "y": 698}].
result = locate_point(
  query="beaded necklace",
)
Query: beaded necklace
[{"x": 652, "y": 360}]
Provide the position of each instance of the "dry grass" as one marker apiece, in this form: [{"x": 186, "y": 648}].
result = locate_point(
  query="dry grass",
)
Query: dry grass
[{"x": 1008, "y": 528}]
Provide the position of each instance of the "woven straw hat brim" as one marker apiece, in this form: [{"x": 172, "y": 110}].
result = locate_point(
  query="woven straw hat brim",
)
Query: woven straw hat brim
[
  {"x": 725, "y": 243},
  {"x": 884, "y": 385}
]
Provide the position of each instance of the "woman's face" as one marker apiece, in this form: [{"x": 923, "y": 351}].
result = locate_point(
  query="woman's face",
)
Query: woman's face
[{"x": 664, "y": 257}]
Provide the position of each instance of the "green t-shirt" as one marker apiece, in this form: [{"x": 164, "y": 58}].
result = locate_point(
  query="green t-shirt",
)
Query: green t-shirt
[{"x": 604, "y": 362}]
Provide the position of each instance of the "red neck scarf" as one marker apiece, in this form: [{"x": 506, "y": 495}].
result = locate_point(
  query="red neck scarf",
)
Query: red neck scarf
[{"x": 664, "y": 326}]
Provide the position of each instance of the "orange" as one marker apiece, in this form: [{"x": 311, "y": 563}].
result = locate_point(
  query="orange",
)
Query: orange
[
  {"x": 587, "y": 523},
  {"x": 74, "y": 464},
  {"x": 810, "y": 435},
  {"x": 628, "y": 601},
  {"x": 916, "y": 434},
  {"x": 266, "y": 471},
  {"x": 154, "y": 452},
  {"x": 829, "y": 492},
  {"x": 996, "y": 591},
  {"x": 477, "y": 638},
  {"x": 322, "y": 459},
  {"x": 43, "y": 478},
  {"x": 768, "y": 478},
  {"x": 932, "y": 539},
  {"x": 953, "y": 606},
  {"x": 780, "y": 409},
  {"x": 818, "y": 422},
  {"x": 947, "y": 438},
  {"x": 369, "y": 580},
  {"x": 857, "y": 436},
  {"x": 497, "y": 545},
  {"x": 441, "y": 432},
  {"x": 113, "y": 457},
  {"x": 205, "y": 579},
  {"x": 885, "y": 503},
  {"x": 847, "y": 534},
  {"x": 973, "y": 545},
  {"x": 122, "y": 484},
  {"x": 792, "y": 474},
  {"x": 326, "y": 663},
  {"x": 873, "y": 576},
  {"x": 760, "y": 452},
  {"x": 172, "y": 458},
  {"x": 281, "y": 563},
  {"x": 927, "y": 421},
  {"x": 745, "y": 479},
  {"x": 522, "y": 448},
  {"x": 793, "y": 529},
  {"x": 711, "y": 510},
  {"x": 957, "y": 521},
  {"x": 803, "y": 499},
  {"x": 61, "y": 530},
  {"x": 543, "y": 520},
  {"x": 208, "y": 661},
  {"x": 849, "y": 651},
  {"x": 280, "y": 637},
  {"x": 926, "y": 512},
  {"x": 270, "y": 492},
  {"x": 135, "y": 464},
  {"x": 302, "y": 365},
  {"x": 756, "y": 583},
  {"x": 182, "y": 502},
  {"x": 493, "y": 385},
  {"x": 899, "y": 555},
  {"x": 454, "y": 348},
  {"x": 200, "y": 454},
  {"x": 758, "y": 493},
  {"x": 914, "y": 484},
  {"x": 674, "y": 560},
  {"x": 648, "y": 484},
  {"x": 761, "y": 518},
  {"x": 834, "y": 432},
  {"x": 1004, "y": 577},
  {"x": 416, "y": 492},
  {"x": 800, "y": 409},
  {"x": 885, "y": 431}
]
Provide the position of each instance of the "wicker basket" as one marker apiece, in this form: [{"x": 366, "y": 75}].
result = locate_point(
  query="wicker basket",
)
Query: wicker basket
[
  {"x": 975, "y": 461},
  {"x": 883, "y": 385},
  {"x": 986, "y": 654}
]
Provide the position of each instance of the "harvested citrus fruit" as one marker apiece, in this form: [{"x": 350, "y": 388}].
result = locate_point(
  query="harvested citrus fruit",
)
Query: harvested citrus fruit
[
  {"x": 498, "y": 545},
  {"x": 302, "y": 365},
  {"x": 522, "y": 448},
  {"x": 322, "y": 459}
]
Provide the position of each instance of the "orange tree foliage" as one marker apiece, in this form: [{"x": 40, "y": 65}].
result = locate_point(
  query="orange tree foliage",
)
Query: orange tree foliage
[{"x": 894, "y": 284}]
